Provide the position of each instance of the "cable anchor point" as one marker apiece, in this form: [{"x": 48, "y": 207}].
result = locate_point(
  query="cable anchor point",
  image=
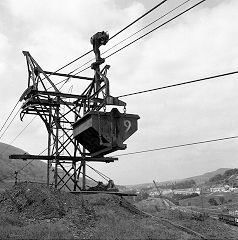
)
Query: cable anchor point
[{"x": 97, "y": 40}]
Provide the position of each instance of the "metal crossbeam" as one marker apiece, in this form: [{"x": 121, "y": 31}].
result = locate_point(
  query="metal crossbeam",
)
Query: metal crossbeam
[
  {"x": 105, "y": 192},
  {"x": 68, "y": 75},
  {"x": 62, "y": 158}
]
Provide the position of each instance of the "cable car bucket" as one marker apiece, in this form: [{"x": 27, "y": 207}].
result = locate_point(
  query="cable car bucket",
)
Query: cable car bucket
[{"x": 105, "y": 132}]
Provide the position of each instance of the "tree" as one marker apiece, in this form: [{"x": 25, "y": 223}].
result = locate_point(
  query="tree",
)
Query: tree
[
  {"x": 217, "y": 178},
  {"x": 222, "y": 200},
  {"x": 230, "y": 172},
  {"x": 213, "y": 202}
]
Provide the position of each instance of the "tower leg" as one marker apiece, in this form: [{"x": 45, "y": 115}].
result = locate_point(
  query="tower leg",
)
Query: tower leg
[
  {"x": 84, "y": 175},
  {"x": 49, "y": 161},
  {"x": 56, "y": 145}
]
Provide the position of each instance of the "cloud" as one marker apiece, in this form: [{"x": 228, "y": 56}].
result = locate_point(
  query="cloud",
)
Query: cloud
[
  {"x": 201, "y": 43},
  {"x": 4, "y": 48},
  {"x": 55, "y": 33}
]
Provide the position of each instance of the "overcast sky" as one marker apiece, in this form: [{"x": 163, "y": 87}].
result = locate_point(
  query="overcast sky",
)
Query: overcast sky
[{"x": 200, "y": 43}]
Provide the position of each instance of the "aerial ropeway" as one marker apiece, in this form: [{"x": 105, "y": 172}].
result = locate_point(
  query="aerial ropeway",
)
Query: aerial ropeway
[{"x": 84, "y": 131}]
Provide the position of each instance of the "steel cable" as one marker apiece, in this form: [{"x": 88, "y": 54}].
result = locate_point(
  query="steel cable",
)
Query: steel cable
[
  {"x": 177, "y": 146},
  {"x": 10, "y": 122},
  {"x": 180, "y": 5},
  {"x": 127, "y": 45},
  {"x": 123, "y": 46},
  {"x": 9, "y": 116},
  {"x": 99, "y": 173},
  {"x": 144, "y": 35},
  {"x": 179, "y": 84},
  {"x": 152, "y": 9},
  {"x": 136, "y": 20}
]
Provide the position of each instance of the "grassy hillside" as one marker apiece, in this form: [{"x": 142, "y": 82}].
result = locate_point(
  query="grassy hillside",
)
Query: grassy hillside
[
  {"x": 30, "y": 211},
  {"x": 213, "y": 203},
  {"x": 34, "y": 171},
  {"x": 206, "y": 176},
  {"x": 198, "y": 179}
]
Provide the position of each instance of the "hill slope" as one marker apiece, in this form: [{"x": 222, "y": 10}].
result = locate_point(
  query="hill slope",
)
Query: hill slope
[
  {"x": 35, "y": 170},
  {"x": 31, "y": 211},
  {"x": 206, "y": 176},
  {"x": 198, "y": 179}
]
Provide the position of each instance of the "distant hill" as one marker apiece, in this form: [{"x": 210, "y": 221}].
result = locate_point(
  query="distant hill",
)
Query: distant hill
[
  {"x": 198, "y": 179},
  {"x": 229, "y": 177},
  {"x": 34, "y": 171},
  {"x": 206, "y": 176}
]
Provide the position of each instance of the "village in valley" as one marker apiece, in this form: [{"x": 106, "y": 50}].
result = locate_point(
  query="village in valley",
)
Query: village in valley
[{"x": 221, "y": 185}]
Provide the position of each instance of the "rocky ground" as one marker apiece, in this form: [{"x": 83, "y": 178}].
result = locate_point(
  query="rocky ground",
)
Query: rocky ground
[
  {"x": 210, "y": 227},
  {"x": 33, "y": 211}
]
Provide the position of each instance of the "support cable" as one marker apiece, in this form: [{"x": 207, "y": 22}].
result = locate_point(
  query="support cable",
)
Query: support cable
[
  {"x": 72, "y": 62},
  {"x": 190, "y": 8},
  {"x": 30, "y": 161},
  {"x": 156, "y": 20},
  {"x": 19, "y": 133},
  {"x": 179, "y": 84},
  {"x": 10, "y": 121},
  {"x": 149, "y": 90},
  {"x": 176, "y": 85},
  {"x": 158, "y": 149},
  {"x": 38, "y": 154},
  {"x": 152, "y": 9},
  {"x": 9, "y": 144},
  {"x": 122, "y": 47},
  {"x": 73, "y": 71},
  {"x": 99, "y": 173},
  {"x": 25, "y": 165},
  {"x": 180, "y": 5},
  {"x": 178, "y": 146},
  {"x": 9, "y": 116},
  {"x": 129, "y": 25},
  {"x": 10, "y": 176}
]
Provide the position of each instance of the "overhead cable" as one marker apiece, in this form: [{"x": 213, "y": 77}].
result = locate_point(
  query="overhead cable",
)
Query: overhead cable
[
  {"x": 129, "y": 43},
  {"x": 9, "y": 144},
  {"x": 145, "y": 91},
  {"x": 10, "y": 122},
  {"x": 156, "y": 149},
  {"x": 25, "y": 165},
  {"x": 72, "y": 61},
  {"x": 179, "y": 84},
  {"x": 156, "y": 20},
  {"x": 180, "y": 5},
  {"x": 190, "y": 8},
  {"x": 99, "y": 173},
  {"x": 9, "y": 116},
  {"x": 39, "y": 153},
  {"x": 195, "y": 5},
  {"x": 178, "y": 146},
  {"x": 152, "y": 9},
  {"x": 159, "y": 4},
  {"x": 129, "y": 25},
  {"x": 9, "y": 176}
]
